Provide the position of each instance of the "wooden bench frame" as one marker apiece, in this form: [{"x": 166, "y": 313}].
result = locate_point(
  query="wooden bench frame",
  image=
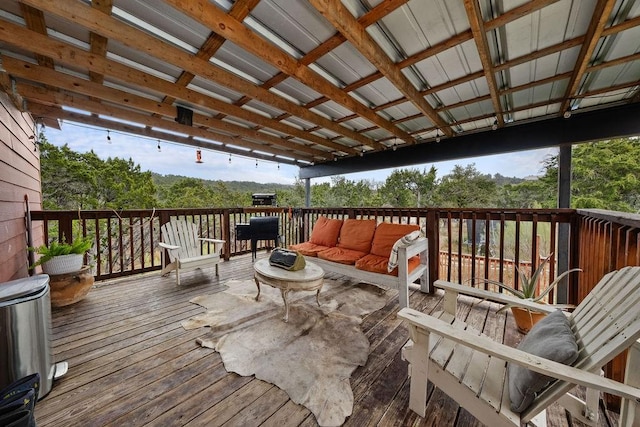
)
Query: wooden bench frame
[
  {"x": 605, "y": 323},
  {"x": 401, "y": 282}
]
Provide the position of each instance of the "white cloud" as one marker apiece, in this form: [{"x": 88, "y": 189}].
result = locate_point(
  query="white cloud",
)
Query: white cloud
[{"x": 178, "y": 159}]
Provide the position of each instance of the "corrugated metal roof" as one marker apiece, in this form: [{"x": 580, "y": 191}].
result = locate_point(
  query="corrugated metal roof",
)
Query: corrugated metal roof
[{"x": 321, "y": 80}]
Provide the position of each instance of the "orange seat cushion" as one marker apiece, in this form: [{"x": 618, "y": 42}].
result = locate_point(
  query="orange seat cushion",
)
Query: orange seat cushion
[
  {"x": 356, "y": 234},
  {"x": 387, "y": 235},
  {"x": 378, "y": 264},
  {"x": 326, "y": 231},
  {"x": 341, "y": 255},
  {"x": 308, "y": 248}
]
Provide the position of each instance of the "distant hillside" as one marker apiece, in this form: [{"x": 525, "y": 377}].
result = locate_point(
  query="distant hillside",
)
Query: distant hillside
[{"x": 234, "y": 186}]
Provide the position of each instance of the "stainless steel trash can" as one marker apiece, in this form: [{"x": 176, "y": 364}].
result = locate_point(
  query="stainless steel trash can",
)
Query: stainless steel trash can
[{"x": 25, "y": 332}]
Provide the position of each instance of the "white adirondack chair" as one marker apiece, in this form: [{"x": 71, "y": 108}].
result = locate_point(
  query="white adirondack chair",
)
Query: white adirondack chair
[
  {"x": 471, "y": 368},
  {"x": 181, "y": 240}
]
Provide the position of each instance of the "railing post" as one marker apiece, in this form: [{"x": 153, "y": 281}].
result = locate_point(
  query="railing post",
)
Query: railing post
[
  {"x": 226, "y": 234},
  {"x": 432, "y": 234},
  {"x": 65, "y": 229}
]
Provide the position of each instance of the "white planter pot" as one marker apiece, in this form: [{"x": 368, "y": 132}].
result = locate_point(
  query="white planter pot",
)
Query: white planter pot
[{"x": 63, "y": 264}]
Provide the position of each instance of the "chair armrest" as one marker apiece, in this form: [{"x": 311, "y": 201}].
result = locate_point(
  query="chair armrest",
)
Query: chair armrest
[
  {"x": 168, "y": 246},
  {"x": 502, "y": 298},
  {"x": 205, "y": 239},
  {"x": 417, "y": 246},
  {"x": 509, "y": 354}
]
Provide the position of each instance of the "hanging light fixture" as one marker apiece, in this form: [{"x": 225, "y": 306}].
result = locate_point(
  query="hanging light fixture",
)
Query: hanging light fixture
[
  {"x": 256, "y": 163},
  {"x": 229, "y": 158},
  {"x": 108, "y": 137},
  {"x": 437, "y": 135},
  {"x": 198, "y": 156},
  {"x": 159, "y": 149},
  {"x": 494, "y": 126}
]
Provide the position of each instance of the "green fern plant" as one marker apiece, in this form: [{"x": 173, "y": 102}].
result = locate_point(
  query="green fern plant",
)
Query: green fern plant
[{"x": 78, "y": 246}]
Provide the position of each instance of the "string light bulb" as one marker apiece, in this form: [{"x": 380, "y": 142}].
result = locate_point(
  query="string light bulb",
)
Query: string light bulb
[
  {"x": 159, "y": 149},
  {"x": 108, "y": 137},
  {"x": 278, "y": 166},
  {"x": 229, "y": 158},
  {"x": 437, "y": 135},
  {"x": 494, "y": 126},
  {"x": 256, "y": 163},
  {"x": 198, "y": 156}
]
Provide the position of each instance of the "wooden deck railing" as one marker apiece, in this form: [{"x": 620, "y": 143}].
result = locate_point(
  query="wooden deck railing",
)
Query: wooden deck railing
[{"x": 465, "y": 245}]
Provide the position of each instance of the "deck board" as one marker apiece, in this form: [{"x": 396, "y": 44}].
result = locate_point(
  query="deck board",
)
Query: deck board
[{"x": 132, "y": 364}]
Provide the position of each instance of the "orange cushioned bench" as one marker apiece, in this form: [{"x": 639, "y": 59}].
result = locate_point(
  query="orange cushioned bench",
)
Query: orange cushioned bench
[{"x": 361, "y": 248}]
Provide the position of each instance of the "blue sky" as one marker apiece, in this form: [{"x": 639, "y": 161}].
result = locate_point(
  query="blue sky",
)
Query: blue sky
[{"x": 180, "y": 160}]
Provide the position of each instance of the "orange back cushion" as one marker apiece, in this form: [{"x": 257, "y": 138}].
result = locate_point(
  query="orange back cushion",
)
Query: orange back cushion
[
  {"x": 387, "y": 234},
  {"x": 326, "y": 231},
  {"x": 356, "y": 234}
]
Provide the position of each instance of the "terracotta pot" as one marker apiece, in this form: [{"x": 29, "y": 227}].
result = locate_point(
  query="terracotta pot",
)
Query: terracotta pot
[
  {"x": 71, "y": 287},
  {"x": 525, "y": 319}
]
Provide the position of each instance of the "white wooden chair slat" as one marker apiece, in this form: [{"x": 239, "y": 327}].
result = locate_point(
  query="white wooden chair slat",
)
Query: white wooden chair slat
[
  {"x": 601, "y": 306},
  {"x": 493, "y": 385},
  {"x": 180, "y": 238},
  {"x": 443, "y": 351},
  {"x": 474, "y": 375},
  {"x": 606, "y": 323}
]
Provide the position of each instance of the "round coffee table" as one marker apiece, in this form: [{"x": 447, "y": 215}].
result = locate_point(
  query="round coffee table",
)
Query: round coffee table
[{"x": 309, "y": 278}]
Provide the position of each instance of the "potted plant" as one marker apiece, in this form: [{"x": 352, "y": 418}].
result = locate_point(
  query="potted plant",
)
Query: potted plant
[
  {"x": 62, "y": 258},
  {"x": 525, "y": 318}
]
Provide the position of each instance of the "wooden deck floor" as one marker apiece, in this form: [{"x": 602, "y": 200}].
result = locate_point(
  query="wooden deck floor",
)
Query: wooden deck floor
[{"x": 132, "y": 364}]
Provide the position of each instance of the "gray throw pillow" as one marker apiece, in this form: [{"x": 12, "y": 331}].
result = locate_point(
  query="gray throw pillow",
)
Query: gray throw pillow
[{"x": 550, "y": 338}]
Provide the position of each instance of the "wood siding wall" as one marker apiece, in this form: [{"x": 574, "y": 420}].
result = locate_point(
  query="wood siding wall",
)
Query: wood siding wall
[{"x": 19, "y": 180}]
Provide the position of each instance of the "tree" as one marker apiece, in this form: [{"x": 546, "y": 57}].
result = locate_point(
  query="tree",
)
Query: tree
[
  {"x": 409, "y": 187},
  {"x": 466, "y": 187},
  {"x": 72, "y": 180},
  {"x": 604, "y": 175}
]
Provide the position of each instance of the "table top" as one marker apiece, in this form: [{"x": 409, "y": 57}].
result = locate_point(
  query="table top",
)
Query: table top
[{"x": 309, "y": 273}]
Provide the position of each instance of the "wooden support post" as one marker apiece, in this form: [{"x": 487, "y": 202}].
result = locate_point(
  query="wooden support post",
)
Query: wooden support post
[{"x": 434, "y": 247}]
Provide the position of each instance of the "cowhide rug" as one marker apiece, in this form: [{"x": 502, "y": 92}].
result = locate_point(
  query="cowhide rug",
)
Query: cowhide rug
[{"x": 311, "y": 357}]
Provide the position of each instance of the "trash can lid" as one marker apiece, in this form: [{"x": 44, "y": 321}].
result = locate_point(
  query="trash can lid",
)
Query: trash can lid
[{"x": 23, "y": 287}]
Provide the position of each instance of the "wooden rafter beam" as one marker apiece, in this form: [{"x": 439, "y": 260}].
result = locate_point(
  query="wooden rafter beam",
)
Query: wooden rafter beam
[
  {"x": 71, "y": 55},
  {"x": 210, "y": 15},
  {"x": 89, "y": 89},
  {"x": 239, "y": 11},
  {"x": 601, "y": 14},
  {"x": 148, "y": 120},
  {"x": 456, "y": 40},
  {"x": 480, "y": 37},
  {"x": 34, "y": 18},
  {"x": 348, "y": 26},
  {"x": 378, "y": 12},
  {"x": 114, "y": 29},
  {"x": 98, "y": 42},
  {"x": 44, "y": 111}
]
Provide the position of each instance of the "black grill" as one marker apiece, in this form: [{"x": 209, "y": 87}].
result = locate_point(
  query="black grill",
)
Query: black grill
[
  {"x": 259, "y": 228},
  {"x": 264, "y": 199}
]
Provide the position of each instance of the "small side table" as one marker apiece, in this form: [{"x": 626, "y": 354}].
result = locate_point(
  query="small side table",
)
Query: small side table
[{"x": 309, "y": 278}]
